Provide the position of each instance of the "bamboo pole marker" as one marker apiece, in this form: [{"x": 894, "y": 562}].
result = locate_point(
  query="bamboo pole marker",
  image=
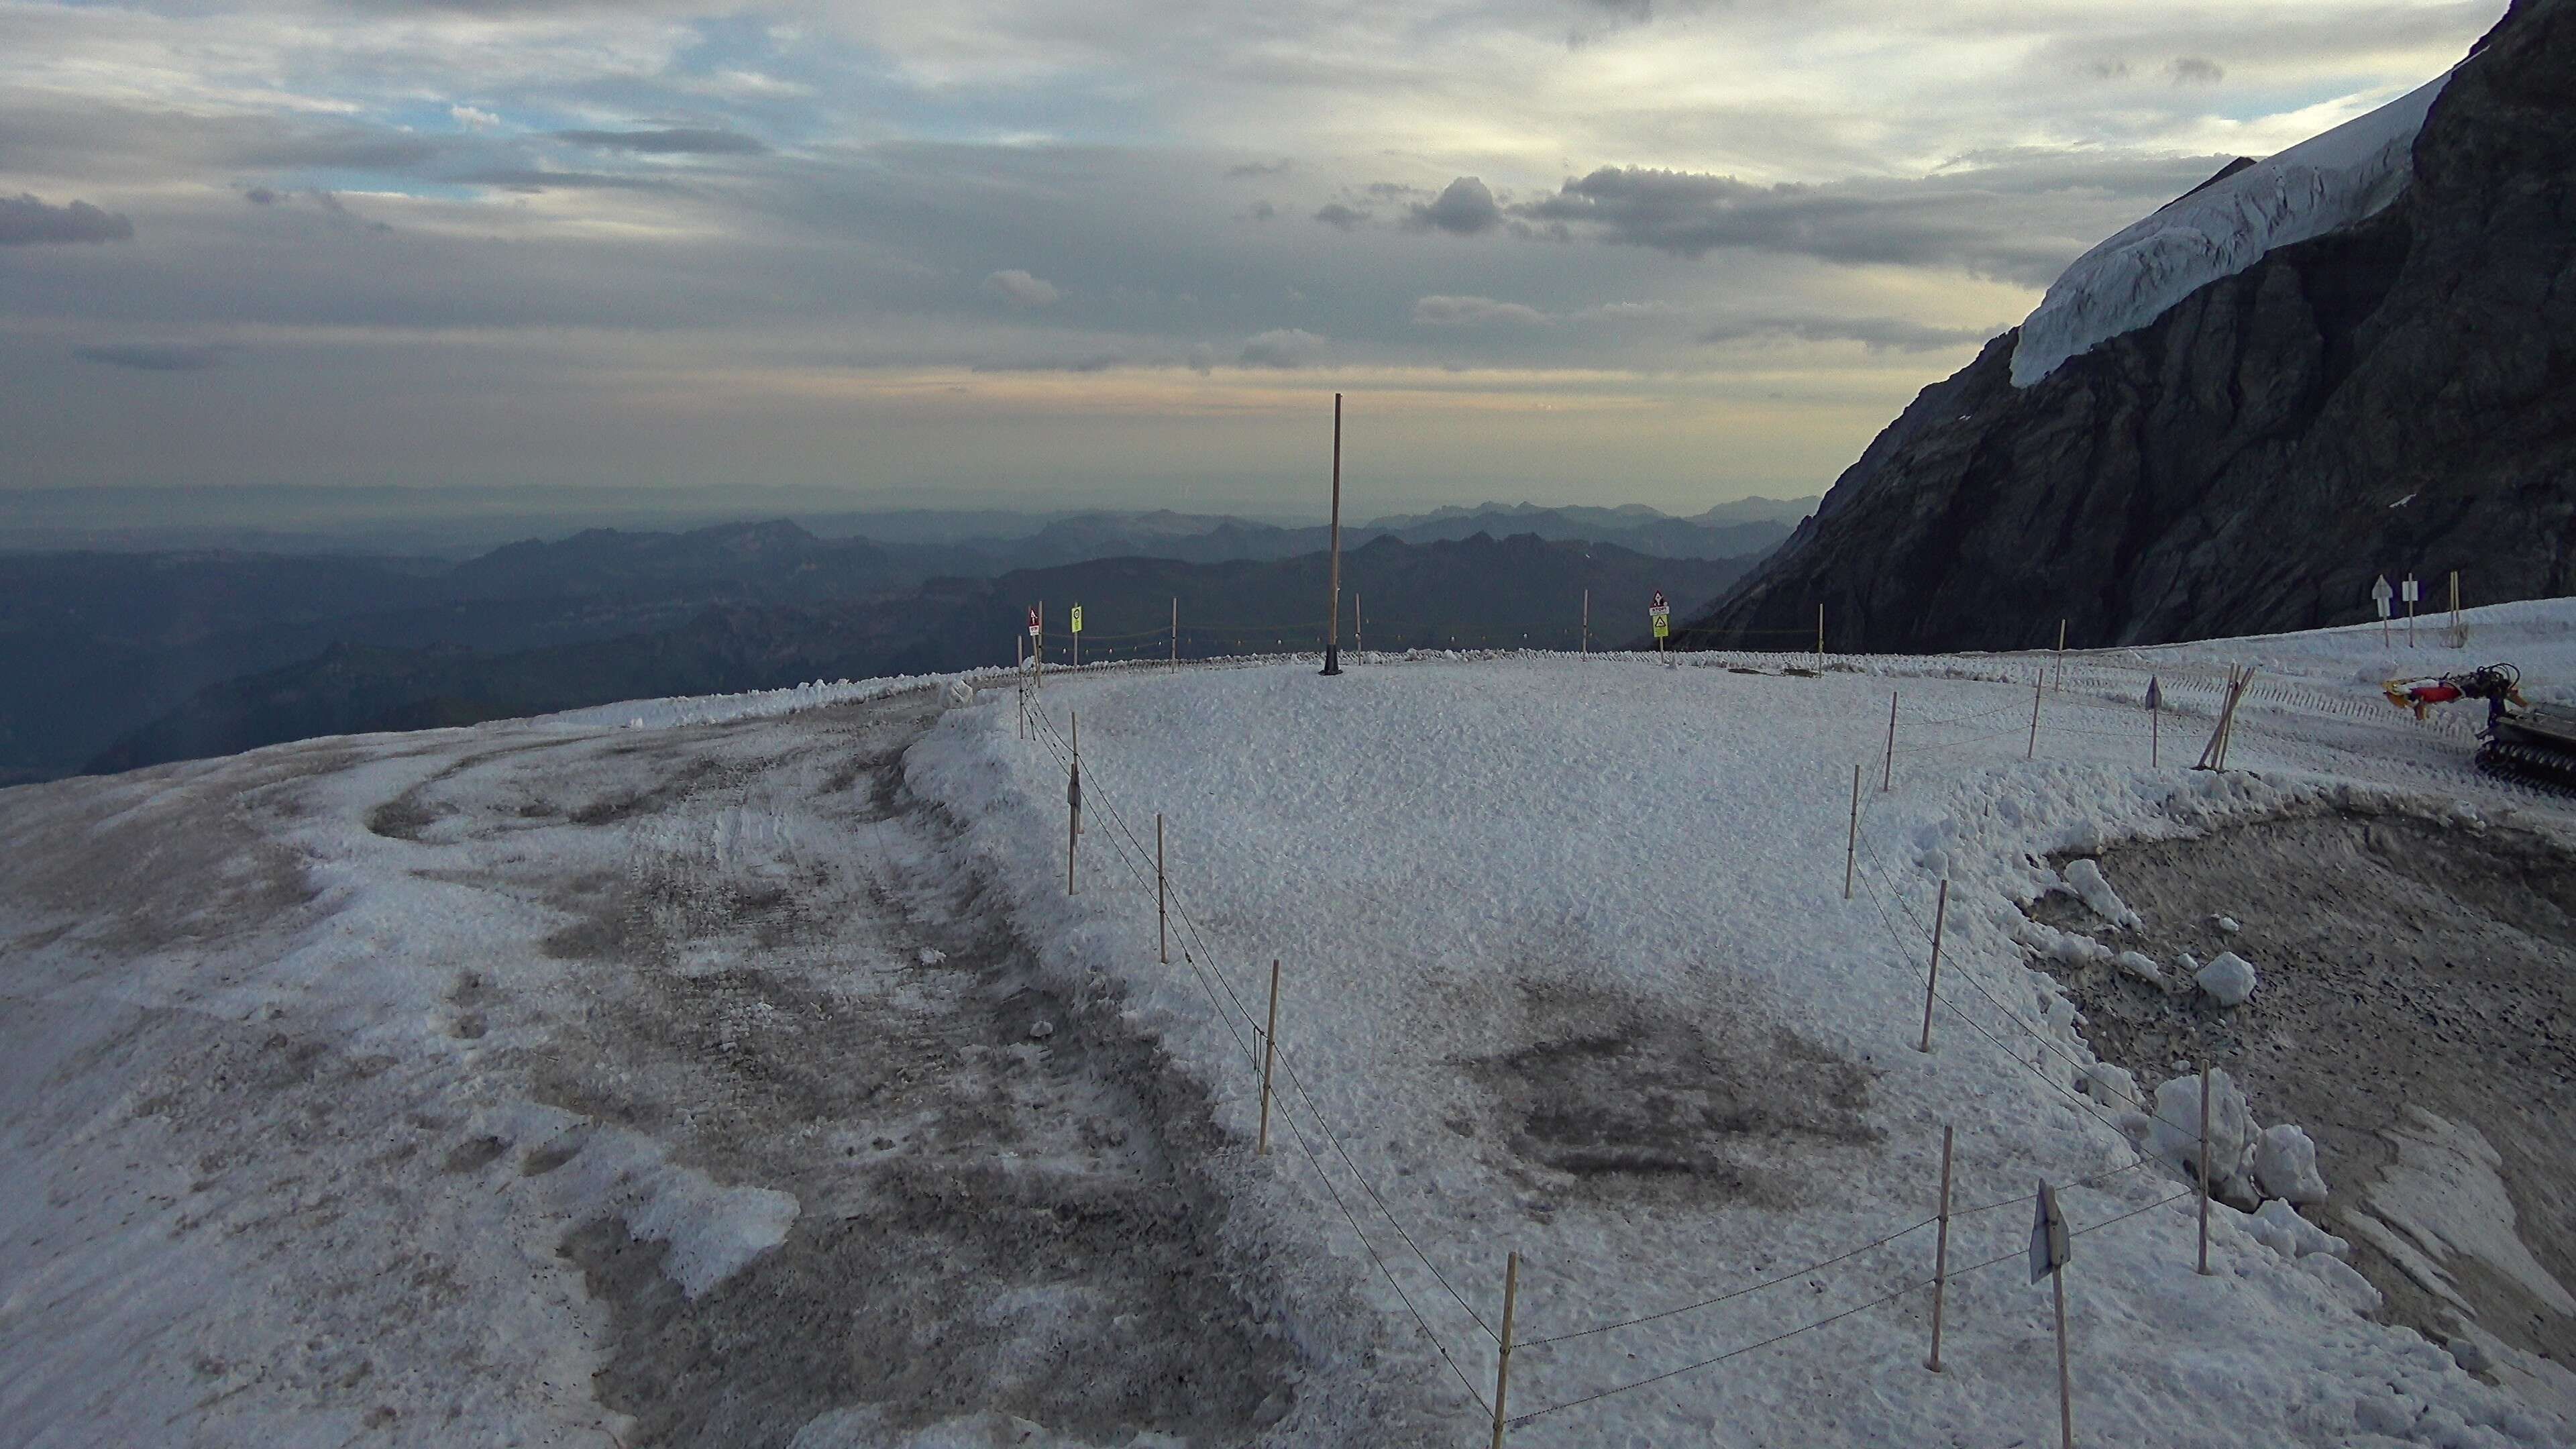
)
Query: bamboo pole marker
[
  {"x": 1269, "y": 1048},
  {"x": 2065, "y": 1384},
  {"x": 1820, "y": 636},
  {"x": 1587, "y": 621},
  {"x": 1932, "y": 978},
  {"x": 1037, "y": 643},
  {"x": 1941, "y": 1256},
  {"x": 1359, "y": 638},
  {"x": 2459, "y": 636},
  {"x": 2204, "y": 1169},
  {"x": 1162, "y": 921},
  {"x": 2036, "y": 685},
  {"x": 2061, "y": 654},
  {"x": 1176, "y": 628},
  {"x": 1887, "y": 776},
  {"x": 1503, "y": 1357},
  {"x": 1851, "y": 848}
]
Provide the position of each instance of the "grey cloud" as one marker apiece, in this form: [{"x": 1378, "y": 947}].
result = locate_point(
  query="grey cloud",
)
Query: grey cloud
[
  {"x": 2108, "y": 69},
  {"x": 676, "y": 141},
  {"x": 1395, "y": 190},
  {"x": 25, "y": 221},
  {"x": 1263, "y": 211},
  {"x": 521, "y": 179},
  {"x": 339, "y": 149},
  {"x": 1345, "y": 217},
  {"x": 2193, "y": 70},
  {"x": 1282, "y": 347},
  {"x": 1260, "y": 168},
  {"x": 1465, "y": 207},
  {"x": 1098, "y": 362},
  {"x": 155, "y": 356},
  {"x": 262, "y": 196},
  {"x": 1993, "y": 215},
  {"x": 1465, "y": 311},
  {"x": 1878, "y": 334}
]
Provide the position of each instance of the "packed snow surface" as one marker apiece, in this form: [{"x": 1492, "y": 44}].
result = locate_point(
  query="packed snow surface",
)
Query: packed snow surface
[
  {"x": 2323, "y": 184},
  {"x": 1568, "y": 971}
]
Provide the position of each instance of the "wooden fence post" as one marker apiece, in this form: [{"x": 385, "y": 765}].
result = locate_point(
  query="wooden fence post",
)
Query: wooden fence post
[
  {"x": 1941, "y": 1256},
  {"x": 1269, "y": 1048},
  {"x": 2036, "y": 685},
  {"x": 1932, "y": 978},
  {"x": 2204, "y": 1168},
  {"x": 1503, "y": 1358},
  {"x": 1587, "y": 621},
  {"x": 1887, "y": 777},
  {"x": 1176, "y": 628},
  {"x": 1851, "y": 848},
  {"x": 1162, "y": 921},
  {"x": 2061, "y": 654}
]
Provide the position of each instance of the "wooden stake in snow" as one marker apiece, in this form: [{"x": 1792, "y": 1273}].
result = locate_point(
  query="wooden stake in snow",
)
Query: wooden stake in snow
[
  {"x": 2213, "y": 756},
  {"x": 1359, "y": 638},
  {"x": 1851, "y": 848},
  {"x": 1932, "y": 978},
  {"x": 1037, "y": 642},
  {"x": 1587, "y": 621},
  {"x": 1941, "y": 1256},
  {"x": 1269, "y": 1048},
  {"x": 2049, "y": 1245},
  {"x": 1073, "y": 807},
  {"x": 1503, "y": 1358},
  {"x": 2459, "y": 636},
  {"x": 2036, "y": 685},
  {"x": 2155, "y": 720},
  {"x": 1176, "y": 628},
  {"x": 1162, "y": 921},
  {"x": 1820, "y": 636},
  {"x": 1887, "y": 776},
  {"x": 2204, "y": 1169},
  {"x": 2061, "y": 654}
]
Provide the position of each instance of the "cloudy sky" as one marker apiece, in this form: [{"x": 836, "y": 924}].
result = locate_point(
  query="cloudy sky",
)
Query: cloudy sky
[{"x": 1083, "y": 252}]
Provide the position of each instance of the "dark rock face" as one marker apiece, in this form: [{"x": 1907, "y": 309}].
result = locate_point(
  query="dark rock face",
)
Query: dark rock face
[{"x": 2399, "y": 396}]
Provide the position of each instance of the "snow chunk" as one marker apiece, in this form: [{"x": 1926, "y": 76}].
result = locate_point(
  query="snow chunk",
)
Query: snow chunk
[
  {"x": 2285, "y": 1165},
  {"x": 2142, "y": 967},
  {"x": 2231, "y": 1131},
  {"x": 2323, "y": 184},
  {"x": 2084, "y": 878},
  {"x": 2343, "y": 1281},
  {"x": 2229, "y": 980},
  {"x": 2278, "y": 1226},
  {"x": 2111, "y": 1086}
]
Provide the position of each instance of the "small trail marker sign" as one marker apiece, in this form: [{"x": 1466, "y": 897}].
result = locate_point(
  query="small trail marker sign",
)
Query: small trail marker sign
[
  {"x": 2048, "y": 1244},
  {"x": 1034, "y": 625},
  {"x": 1077, "y": 618},
  {"x": 1660, "y": 614},
  {"x": 2380, "y": 593},
  {"x": 2414, "y": 591}
]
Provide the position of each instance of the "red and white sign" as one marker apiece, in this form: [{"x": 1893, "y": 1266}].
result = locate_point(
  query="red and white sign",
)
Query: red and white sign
[{"x": 1034, "y": 626}]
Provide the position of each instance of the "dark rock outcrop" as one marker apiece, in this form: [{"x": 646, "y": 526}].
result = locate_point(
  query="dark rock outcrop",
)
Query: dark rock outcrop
[{"x": 2398, "y": 396}]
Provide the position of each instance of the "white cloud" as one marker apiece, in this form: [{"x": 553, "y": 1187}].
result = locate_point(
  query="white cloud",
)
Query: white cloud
[
  {"x": 1465, "y": 311},
  {"x": 1021, "y": 289},
  {"x": 473, "y": 119},
  {"x": 1282, "y": 347}
]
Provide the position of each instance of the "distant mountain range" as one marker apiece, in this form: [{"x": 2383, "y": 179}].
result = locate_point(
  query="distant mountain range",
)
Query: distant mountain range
[
  {"x": 96, "y": 647},
  {"x": 1476, "y": 592}
]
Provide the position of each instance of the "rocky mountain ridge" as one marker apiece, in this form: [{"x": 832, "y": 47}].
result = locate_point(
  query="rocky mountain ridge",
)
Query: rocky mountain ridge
[{"x": 2394, "y": 396}]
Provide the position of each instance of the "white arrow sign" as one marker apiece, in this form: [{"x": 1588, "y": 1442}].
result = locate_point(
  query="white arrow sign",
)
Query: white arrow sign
[{"x": 2380, "y": 594}]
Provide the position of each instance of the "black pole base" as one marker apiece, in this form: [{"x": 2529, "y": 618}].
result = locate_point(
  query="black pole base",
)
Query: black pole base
[{"x": 1332, "y": 661}]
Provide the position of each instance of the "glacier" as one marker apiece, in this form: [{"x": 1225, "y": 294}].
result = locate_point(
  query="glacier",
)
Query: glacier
[{"x": 2327, "y": 182}]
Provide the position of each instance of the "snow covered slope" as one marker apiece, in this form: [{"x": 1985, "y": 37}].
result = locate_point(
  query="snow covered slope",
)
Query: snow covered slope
[
  {"x": 741, "y": 1071},
  {"x": 2322, "y": 184}
]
